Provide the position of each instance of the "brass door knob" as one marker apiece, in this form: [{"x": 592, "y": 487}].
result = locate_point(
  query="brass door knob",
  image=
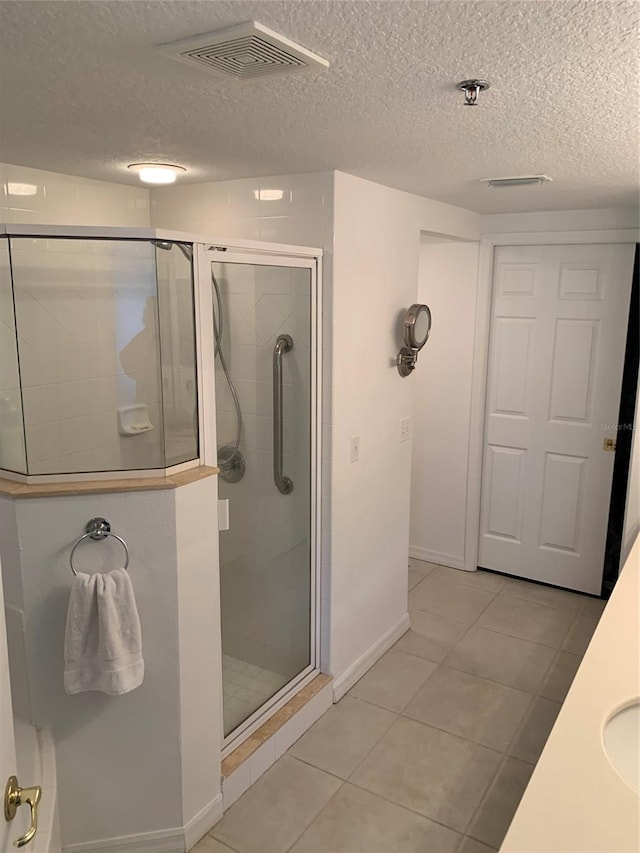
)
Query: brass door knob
[{"x": 15, "y": 796}]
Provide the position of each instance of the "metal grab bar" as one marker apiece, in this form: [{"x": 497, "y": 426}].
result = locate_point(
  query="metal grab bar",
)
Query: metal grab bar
[{"x": 283, "y": 344}]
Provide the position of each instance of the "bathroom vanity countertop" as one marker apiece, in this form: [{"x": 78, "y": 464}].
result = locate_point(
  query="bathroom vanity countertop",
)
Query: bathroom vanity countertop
[
  {"x": 14, "y": 489},
  {"x": 575, "y": 800}
]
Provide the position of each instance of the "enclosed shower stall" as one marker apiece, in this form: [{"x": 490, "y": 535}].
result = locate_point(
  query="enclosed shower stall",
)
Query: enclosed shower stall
[
  {"x": 98, "y": 349},
  {"x": 131, "y": 354},
  {"x": 267, "y": 379}
]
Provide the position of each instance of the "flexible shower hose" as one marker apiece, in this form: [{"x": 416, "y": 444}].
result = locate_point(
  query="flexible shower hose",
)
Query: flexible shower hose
[{"x": 218, "y": 329}]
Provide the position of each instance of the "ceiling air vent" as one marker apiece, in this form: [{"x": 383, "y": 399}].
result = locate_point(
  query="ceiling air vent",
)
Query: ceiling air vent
[
  {"x": 245, "y": 52},
  {"x": 519, "y": 181}
]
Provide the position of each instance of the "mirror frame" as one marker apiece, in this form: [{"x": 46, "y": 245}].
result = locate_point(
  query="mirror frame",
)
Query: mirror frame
[{"x": 409, "y": 325}]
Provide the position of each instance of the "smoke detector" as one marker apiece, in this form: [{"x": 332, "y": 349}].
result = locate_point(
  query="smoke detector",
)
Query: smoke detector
[{"x": 245, "y": 52}]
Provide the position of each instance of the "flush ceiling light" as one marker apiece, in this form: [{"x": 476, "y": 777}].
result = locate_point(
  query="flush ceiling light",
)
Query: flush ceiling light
[
  {"x": 157, "y": 173},
  {"x": 22, "y": 189},
  {"x": 520, "y": 181}
]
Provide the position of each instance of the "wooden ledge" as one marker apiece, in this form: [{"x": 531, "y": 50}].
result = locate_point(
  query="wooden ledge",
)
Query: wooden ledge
[
  {"x": 266, "y": 730},
  {"x": 11, "y": 489}
]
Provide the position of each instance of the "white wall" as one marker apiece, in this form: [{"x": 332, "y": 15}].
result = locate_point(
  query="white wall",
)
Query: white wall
[
  {"x": 199, "y": 649},
  {"x": 34, "y": 196},
  {"x": 14, "y": 613},
  {"x": 376, "y": 258},
  {"x": 560, "y": 220},
  {"x": 442, "y": 396},
  {"x": 375, "y": 275},
  {"x": 98, "y": 738},
  {"x": 162, "y": 740}
]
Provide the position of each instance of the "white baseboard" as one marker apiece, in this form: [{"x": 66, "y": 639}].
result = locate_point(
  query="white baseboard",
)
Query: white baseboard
[
  {"x": 202, "y": 821},
  {"x": 453, "y": 561},
  {"x": 163, "y": 841},
  {"x": 175, "y": 840},
  {"x": 358, "y": 668}
]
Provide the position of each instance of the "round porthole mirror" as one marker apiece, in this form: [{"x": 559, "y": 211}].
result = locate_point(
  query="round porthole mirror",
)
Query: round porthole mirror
[{"x": 416, "y": 327}]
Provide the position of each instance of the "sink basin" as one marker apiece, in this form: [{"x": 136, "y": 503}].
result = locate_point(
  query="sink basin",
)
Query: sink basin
[{"x": 621, "y": 737}]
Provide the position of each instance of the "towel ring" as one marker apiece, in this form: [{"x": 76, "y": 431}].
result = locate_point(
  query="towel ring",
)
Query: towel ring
[{"x": 98, "y": 529}]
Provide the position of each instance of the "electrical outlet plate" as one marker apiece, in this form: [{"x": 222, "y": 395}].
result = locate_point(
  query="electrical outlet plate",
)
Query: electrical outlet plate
[{"x": 405, "y": 429}]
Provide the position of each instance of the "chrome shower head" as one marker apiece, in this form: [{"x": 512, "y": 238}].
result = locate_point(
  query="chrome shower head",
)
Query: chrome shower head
[{"x": 167, "y": 245}]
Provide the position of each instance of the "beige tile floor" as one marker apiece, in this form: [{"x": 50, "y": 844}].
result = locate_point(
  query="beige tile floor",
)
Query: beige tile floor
[{"x": 431, "y": 750}]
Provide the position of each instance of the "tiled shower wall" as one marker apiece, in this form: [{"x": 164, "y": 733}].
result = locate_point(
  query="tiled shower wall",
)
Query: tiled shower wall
[
  {"x": 12, "y": 455},
  {"x": 34, "y": 196},
  {"x": 265, "y": 553},
  {"x": 79, "y": 304},
  {"x": 302, "y": 215}
]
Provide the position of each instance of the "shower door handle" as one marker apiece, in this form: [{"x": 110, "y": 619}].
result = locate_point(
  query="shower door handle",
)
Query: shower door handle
[{"x": 283, "y": 344}]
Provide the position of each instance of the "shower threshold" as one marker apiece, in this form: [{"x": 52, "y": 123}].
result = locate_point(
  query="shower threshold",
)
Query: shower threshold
[
  {"x": 281, "y": 722},
  {"x": 269, "y": 715}
]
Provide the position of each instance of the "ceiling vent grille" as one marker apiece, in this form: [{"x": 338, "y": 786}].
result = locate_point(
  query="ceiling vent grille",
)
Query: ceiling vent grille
[{"x": 245, "y": 52}]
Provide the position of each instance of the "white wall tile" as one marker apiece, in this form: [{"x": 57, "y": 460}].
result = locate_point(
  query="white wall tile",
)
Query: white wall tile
[
  {"x": 67, "y": 329},
  {"x": 71, "y": 200},
  {"x": 262, "y": 759},
  {"x": 234, "y": 786},
  {"x": 303, "y": 720}
]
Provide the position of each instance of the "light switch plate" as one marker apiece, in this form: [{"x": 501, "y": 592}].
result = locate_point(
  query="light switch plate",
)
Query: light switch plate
[{"x": 354, "y": 449}]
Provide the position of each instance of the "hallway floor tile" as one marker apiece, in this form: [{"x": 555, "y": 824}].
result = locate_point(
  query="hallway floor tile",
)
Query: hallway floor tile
[{"x": 431, "y": 750}]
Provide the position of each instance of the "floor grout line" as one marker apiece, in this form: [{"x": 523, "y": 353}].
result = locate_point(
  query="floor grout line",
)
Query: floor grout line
[
  {"x": 484, "y": 796},
  {"x": 317, "y": 815},
  {"x": 468, "y": 739},
  {"x": 406, "y": 808},
  {"x": 445, "y": 662}
]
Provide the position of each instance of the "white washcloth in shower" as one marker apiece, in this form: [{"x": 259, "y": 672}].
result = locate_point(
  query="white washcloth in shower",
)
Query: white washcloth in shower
[{"x": 103, "y": 641}]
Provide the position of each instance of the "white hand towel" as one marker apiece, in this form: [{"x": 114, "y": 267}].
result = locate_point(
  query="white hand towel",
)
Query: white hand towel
[{"x": 103, "y": 642}]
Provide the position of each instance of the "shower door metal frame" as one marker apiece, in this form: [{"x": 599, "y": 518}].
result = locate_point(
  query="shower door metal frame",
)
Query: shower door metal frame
[{"x": 266, "y": 254}]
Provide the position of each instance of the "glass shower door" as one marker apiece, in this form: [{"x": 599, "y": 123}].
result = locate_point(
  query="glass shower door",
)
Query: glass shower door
[{"x": 265, "y": 387}]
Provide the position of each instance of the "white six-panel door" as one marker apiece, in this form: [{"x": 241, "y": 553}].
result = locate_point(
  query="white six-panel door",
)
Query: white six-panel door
[
  {"x": 7, "y": 744},
  {"x": 558, "y": 332}
]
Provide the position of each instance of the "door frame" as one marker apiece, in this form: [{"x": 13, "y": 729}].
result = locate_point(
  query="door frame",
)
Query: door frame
[
  {"x": 269, "y": 254},
  {"x": 484, "y": 299}
]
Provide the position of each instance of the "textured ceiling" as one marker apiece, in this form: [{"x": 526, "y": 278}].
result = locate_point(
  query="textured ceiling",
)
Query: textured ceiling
[{"x": 85, "y": 92}]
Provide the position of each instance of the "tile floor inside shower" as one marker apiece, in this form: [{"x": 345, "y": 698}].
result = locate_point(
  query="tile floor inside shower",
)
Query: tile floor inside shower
[
  {"x": 246, "y": 688},
  {"x": 430, "y": 752}
]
